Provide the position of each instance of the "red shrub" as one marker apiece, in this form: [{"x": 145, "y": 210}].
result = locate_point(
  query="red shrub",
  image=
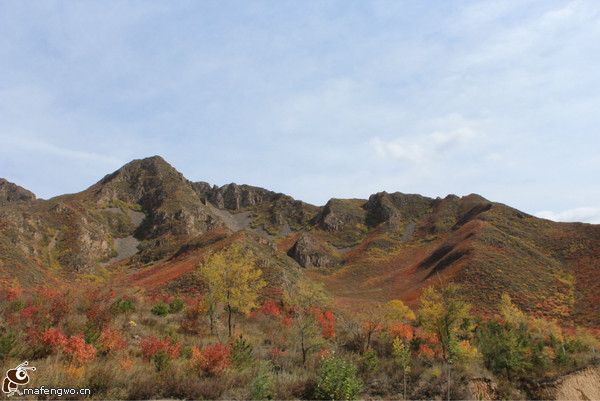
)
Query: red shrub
[
  {"x": 402, "y": 331},
  {"x": 29, "y": 312},
  {"x": 425, "y": 352},
  {"x": 270, "y": 308},
  {"x": 78, "y": 351},
  {"x": 287, "y": 322},
  {"x": 212, "y": 359},
  {"x": 112, "y": 340},
  {"x": 327, "y": 322},
  {"x": 14, "y": 292},
  {"x": 151, "y": 346},
  {"x": 54, "y": 338}
]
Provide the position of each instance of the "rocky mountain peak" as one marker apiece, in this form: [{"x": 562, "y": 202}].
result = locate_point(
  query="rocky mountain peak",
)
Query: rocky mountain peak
[
  {"x": 148, "y": 182},
  {"x": 10, "y": 192}
]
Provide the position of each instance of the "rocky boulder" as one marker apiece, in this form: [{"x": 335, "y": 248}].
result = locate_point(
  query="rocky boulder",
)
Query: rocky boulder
[{"x": 309, "y": 252}]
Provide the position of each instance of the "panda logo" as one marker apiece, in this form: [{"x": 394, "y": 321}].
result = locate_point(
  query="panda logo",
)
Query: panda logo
[{"x": 16, "y": 377}]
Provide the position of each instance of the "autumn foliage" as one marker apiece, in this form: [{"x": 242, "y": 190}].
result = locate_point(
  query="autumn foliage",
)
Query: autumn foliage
[
  {"x": 151, "y": 346},
  {"x": 212, "y": 359}
]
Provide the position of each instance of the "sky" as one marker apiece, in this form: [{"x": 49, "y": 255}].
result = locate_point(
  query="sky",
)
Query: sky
[{"x": 316, "y": 99}]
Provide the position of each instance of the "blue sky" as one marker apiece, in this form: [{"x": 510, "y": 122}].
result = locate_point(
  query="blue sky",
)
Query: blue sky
[{"x": 316, "y": 99}]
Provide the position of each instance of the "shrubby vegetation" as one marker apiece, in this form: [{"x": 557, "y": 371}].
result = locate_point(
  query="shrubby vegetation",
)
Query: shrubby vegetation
[{"x": 233, "y": 341}]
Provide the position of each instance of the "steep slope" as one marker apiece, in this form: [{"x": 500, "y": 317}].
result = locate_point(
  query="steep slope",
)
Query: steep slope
[{"x": 550, "y": 269}]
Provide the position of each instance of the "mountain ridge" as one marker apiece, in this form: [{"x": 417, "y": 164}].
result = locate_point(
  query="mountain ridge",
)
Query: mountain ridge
[{"x": 147, "y": 217}]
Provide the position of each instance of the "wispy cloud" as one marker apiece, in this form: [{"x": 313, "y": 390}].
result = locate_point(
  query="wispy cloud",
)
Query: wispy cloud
[
  {"x": 581, "y": 214},
  {"x": 427, "y": 148},
  {"x": 341, "y": 100},
  {"x": 43, "y": 148}
]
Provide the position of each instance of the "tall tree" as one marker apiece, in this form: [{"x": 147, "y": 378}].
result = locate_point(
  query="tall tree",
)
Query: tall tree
[
  {"x": 442, "y": 312},
  {"x": 402, "y": 358},
  {"x": 302, "y": 297},
  {"x": 231, "y": 278}
]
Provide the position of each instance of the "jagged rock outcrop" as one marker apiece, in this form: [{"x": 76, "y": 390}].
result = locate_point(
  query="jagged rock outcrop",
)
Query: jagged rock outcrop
[
  {"x": 10, "y": 192},
  {"x": 309, "y": 252},
  {"x": 277, "y": 213},
  {"x": 396, "y": 208},
  {"x": 234, "y": 197},
  {"x": 341, "y": 214}
]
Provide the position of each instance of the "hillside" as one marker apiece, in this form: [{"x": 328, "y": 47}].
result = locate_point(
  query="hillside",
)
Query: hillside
[{"x": 150, "y": 226}]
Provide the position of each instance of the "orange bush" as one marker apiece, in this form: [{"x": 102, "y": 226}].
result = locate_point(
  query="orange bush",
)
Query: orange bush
[
  {"x": 270, "y": 308},
  {"x": 212, "y": 359},
  {"x": 403, "y": 331},
  {"x": 78, "y": 351},
  {"x": 54, "y": 338},
  {"x": 151, "y": 346},
  {"x": 287, "y": 322},
  {"x": 327, "y": 322},
  {"x": 425, "y": 352},
  {"x": 111, "y": 340}
]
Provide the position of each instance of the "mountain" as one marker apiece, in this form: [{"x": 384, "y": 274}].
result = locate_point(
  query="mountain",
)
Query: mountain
[
  {"x": 149, "y": 226},
  {"x": 10, "y": 192}
]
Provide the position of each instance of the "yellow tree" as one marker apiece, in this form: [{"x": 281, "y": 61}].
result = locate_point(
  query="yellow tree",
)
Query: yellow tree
[
  {"x": 511, "y": 312},
  {"x": 397, "y": 311},
  {"x": 231, "y": 278},
  {"x": 442, "y": 313}
]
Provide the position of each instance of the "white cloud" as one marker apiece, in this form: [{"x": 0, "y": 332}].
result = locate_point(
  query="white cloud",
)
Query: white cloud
[
  {"x": 42, "y": 147},
  {"x": 581, "y": 214},
  {"x": 420, "y": 149}
]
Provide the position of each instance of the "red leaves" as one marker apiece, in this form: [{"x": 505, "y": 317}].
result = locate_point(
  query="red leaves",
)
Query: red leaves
[
  {"x": 403, "y": 331},
  {"x": 14, "y": 292},
  {"x": 327, "y": 322},
  {"x": 212, "y": 359},
  {"x": 112, "y": 340},
  {"x": 74, "y": 347},
  {"x": 29, "y": 312},
  {"x": 78, "y": 351},
  {"x": 287, "y": 322},
  {"x": 425, "y": 352},
  {"x": 54, "y": 338},
  {"x": 270, "y": 308},
  {"x": 151, "y": 346}
]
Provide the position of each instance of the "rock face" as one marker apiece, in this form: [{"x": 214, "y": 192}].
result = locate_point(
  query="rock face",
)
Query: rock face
[
  {"x": 10, "y": 192},
  {"x": 276, "y": 213},
  {"x": 173, "y": 210},
  {"x": 583, "y": 385},
  {"x": 234, "y": 197},
  {"x": 396, "y": 208},
  {"x": 341, "y": 214},
  {"x": 308, "y": 252}
]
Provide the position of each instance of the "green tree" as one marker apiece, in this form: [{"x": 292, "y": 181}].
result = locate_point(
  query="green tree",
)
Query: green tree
[
  {"x": 402, "y": 359},
  {"x": 337, "y": 380},
  {"x": 504, "y": 347},
  {"x": 303, "y": 296}
]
